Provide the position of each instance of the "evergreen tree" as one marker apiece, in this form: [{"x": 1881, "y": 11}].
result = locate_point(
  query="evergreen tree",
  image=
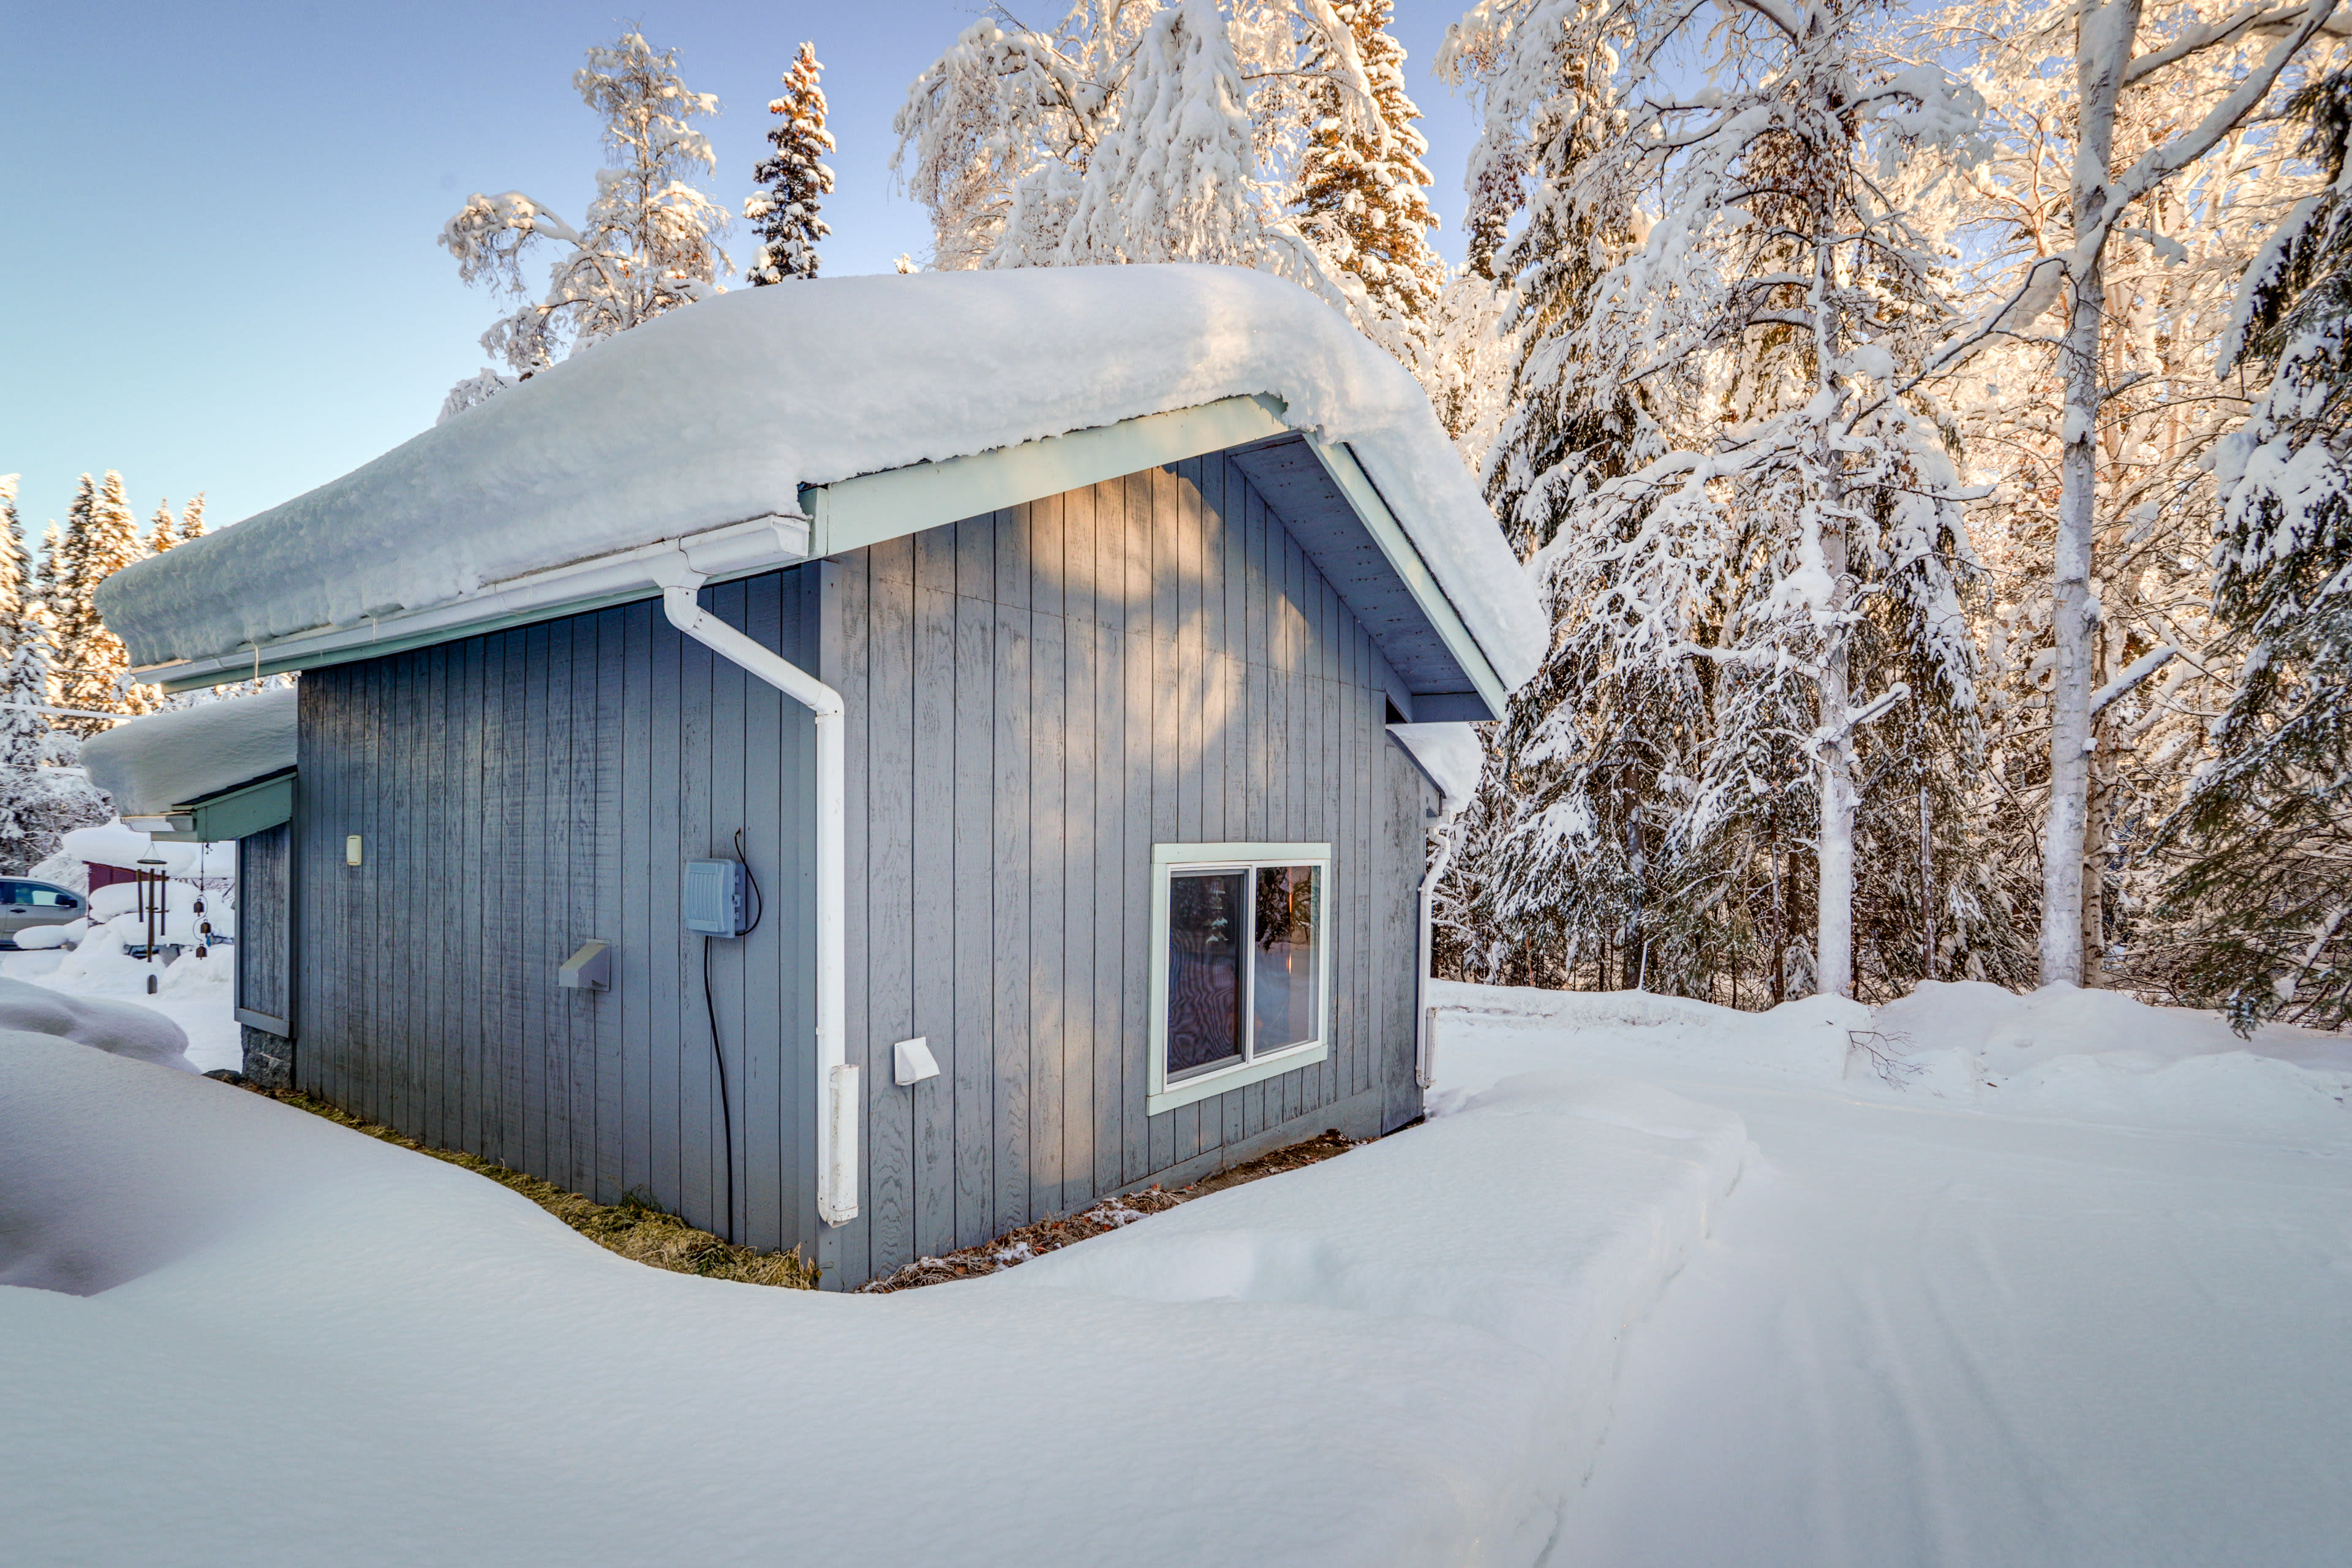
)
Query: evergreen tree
[
  {"x": 2268, "y": 880},
  {"x": 1748, "y": 531},
  {"x": 101, "y": 537},
  {"x": 23, "y": 746},
  {"x": 17, "y": 593},
  {"x": 163, "y": 530},
  {"x": 192, "y": 519},
  {"x": 784, "y": 215},
  {"x": 1362, "y": 188},
  {"x": 45, "y": 577}
]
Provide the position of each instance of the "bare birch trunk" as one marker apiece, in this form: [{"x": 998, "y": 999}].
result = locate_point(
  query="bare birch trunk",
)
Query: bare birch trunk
[
  {"x": 1833, "y": 914},
  {"x": 2103, "y": 50},
  {"x": 1834, "y": 972}
]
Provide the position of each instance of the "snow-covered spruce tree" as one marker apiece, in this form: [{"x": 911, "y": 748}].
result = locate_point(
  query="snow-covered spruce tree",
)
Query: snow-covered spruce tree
[
  {"x": 650, "y": 240},
  {"x": 192, "y": 519},
  {"x": 163, "y": 529},
  {"x": 1746, "y": 529},
  {"x": 2267, "y": 882},
  {"x": 1135, "y": 131},
  {"x": 783, "y": 212},
  {"x": 101, "y": 537},
  {"x": 23, "y": 746},
  {"x": 1363, "y": 192},
  {"x": 18, "y": 593}
]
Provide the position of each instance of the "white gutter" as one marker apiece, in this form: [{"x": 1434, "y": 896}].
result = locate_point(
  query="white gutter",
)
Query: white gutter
[
  {"x": 837, "y": 1080},
  {"x": 1426, "y": 1016}
]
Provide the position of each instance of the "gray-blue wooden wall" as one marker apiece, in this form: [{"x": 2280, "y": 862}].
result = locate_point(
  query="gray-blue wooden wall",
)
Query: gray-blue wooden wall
[
  {"x": 518, "y": 794},
  {"x": 263, "y": 976},
  {"x": 1043, "y": 694},
  {"x": 1035, "y": 698}
]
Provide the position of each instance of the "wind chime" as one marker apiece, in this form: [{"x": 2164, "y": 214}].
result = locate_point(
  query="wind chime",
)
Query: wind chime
[{"x": 151, "y": 906}]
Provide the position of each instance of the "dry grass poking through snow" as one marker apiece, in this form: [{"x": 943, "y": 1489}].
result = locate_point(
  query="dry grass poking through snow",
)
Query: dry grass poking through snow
[
  {"x": 633, "y": 1227},
  {"x": 1052, "y": 1234}
]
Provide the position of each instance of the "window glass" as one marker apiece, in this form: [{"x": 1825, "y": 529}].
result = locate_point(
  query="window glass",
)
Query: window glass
[
  {"x": 49, "y": 898},
  {"x": 1283, "y": 994},
  {"x": 15, "y": 893},
  {"x": 1204, "y": 976}
]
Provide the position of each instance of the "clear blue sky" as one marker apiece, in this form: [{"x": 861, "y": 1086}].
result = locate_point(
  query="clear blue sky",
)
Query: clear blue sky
[{"x": 219, "y": 266}]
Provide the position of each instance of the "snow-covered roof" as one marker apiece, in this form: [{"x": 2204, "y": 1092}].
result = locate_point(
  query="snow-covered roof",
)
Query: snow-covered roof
[
  {"x": 720, "y": 413},
  {"x": 183, "y": 754}
]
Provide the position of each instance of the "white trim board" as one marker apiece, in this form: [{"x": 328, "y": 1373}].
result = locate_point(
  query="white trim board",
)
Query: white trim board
[
  {"x": 1160, "y": 1094},
  {"x": 1364, "y": 496},
  {"x": 872, "y": 508}
]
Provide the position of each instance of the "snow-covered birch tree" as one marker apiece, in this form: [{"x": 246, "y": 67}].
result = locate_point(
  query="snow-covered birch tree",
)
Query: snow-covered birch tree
[
  {"x": 2202, "y": 71},
  {"x": 1137, "y": 131},
  {"x": 792, "y": 178},
  {"x": 2168, "y": 273},
  {"x": 1750, "y": 532},
  {"x": 649, "y": 241}
]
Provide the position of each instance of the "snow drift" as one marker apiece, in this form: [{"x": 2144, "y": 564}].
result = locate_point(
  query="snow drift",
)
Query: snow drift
[
  {"x": 723, "y": 412},
  {"x": 121, "y": 1028},
  {"x": 1409, "y": 1349}
]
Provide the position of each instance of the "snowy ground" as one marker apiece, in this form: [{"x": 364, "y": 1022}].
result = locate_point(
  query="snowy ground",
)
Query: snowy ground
[
  {"x": 2056, "y": 1321},
  {"x": 1662, "y": 1285},
  {"x": 195, "y": 994}
]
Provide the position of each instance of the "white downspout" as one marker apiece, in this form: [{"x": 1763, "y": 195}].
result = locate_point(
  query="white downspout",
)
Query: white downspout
[
  {"x": 837, "y": 1080},
  {"x": 1425, "y": 1014}
]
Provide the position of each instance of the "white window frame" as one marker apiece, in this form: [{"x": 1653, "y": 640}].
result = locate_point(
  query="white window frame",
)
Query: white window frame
[{"x": 1166, "y": 860}]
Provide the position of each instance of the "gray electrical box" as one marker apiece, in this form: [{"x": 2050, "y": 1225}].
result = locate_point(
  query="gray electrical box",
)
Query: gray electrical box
[{"x": 714, "y": 901}]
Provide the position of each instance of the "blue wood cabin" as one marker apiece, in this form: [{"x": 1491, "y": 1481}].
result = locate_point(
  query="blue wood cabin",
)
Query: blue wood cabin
[{"x": 1106, "y": 873}]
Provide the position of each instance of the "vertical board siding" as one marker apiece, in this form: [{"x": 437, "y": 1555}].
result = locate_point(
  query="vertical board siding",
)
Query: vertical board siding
[
  {"x": 1048, "y": 691},
  {"x": 517, "y": 795},
  {"x": 1035, "y": 698},
  {"x": 264, "y": 912}
]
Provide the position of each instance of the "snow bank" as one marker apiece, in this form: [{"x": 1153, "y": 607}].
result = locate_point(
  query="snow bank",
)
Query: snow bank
[
  {"x": 119, "y": 1028},
  {"x": 720, "y": 413},
  {"x": 2088, "y": 1055},
  {"x": 2100, "y": 1056},
  {"x": 1395, "y": 1361},
  {"x": 186, "y": 753}
]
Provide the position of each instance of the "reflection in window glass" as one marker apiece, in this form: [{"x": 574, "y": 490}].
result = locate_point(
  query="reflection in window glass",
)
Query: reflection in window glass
[
  {"x": 1283, "y": 989},
  {"x": 1204, "y": 982}
]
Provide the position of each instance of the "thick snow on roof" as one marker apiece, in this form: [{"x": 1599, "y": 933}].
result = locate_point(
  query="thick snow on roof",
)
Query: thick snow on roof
[
  {"x": 186, "y": 753},
  {"x": 720, "y": 412}
]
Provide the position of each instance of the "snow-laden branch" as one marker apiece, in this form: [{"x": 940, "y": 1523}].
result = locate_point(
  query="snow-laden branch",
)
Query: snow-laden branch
[
  {"x": 1878, "y": 708},
  {"x": 2254, "y": 18},
  {"x": 2167, "y": 159},
  {"x": 2139, "y": 669}
]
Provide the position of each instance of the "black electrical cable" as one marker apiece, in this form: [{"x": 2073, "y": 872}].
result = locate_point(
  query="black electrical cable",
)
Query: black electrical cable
[
  {"x": 726, "y": 1111},
  {"x": 711, "y": 1007},
  {"x": 759, "y": 900}
]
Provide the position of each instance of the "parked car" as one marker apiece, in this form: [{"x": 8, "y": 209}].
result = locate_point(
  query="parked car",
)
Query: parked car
[{"x": 24, "y": 905}]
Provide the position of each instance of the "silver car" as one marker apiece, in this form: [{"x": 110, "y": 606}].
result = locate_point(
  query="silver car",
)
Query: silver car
[{"x": 25, "y": 904}]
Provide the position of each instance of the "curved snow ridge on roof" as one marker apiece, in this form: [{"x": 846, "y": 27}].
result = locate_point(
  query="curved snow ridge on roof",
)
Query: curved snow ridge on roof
[
  {"x": 721, "y": 411},
  {"x": 181, "y": 754}
]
